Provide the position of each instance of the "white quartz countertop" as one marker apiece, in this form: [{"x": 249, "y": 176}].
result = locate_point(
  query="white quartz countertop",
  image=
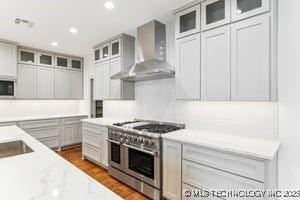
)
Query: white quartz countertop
[
  {"x": 102, "y": 121},
  {"x": 258, "y": 148},
  {"x": 17, "y": 119},
  {"x": 44, "y": 175}
]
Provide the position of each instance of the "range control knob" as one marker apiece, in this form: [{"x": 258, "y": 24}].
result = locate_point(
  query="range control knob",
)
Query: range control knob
[
  {"x": 119, "y": 134},
  {"x": 140, "y": 139},
  {"x": 150, "y": 142},
  {"x": 145, "y": 140}
]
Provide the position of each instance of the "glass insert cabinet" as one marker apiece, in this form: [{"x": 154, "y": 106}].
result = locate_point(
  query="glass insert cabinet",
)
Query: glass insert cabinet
[{"x": 241, "y": 9}]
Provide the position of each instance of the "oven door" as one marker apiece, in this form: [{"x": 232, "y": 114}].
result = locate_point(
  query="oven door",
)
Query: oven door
[
  {"x": 115, "y": 154},
  {"x": 143, "y": 164}
]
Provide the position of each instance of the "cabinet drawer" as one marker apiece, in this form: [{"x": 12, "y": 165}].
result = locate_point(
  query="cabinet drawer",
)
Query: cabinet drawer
[
  {"x": 44, "y": 132},
  {"x": 91, "y": 138},
  {"x": 91, "y": 152},
  {"x": 50, "y": 142},
  {"x": 212, "y": 179},
  {"x": 231, "y": 163},
  {"x": 39, "y": 123},
  {"x": 91, "y": 128},
  {"x": 74, "y": 120},
  {"x": 193, "y": 193}
]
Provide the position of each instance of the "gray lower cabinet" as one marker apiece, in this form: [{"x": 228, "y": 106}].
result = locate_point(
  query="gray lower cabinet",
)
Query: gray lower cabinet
[
  {"x": 61, "y": 85},
  {"x": 27, "y": 81},
  {"x": 45, "y": 83},
  {"x": 71, "y": 134}
]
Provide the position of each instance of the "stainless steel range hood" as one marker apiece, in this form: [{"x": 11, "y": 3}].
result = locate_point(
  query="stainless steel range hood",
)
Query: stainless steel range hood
[{"x": 151, "y": 39}]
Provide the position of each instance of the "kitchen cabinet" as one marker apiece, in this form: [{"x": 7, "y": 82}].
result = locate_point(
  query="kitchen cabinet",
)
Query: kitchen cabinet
[
  {"x": 250, "y": 57},
  {"x": 187, "y": 21},
  {"x": 78, "y": 133},
  {"x": 188, "y": 67},
  {"x": 49, "y": 136},
  {"x": 95, "y": 147},
  {"x": 27, "y": 56},
  {"x": 68, "y": 135},
  {"x": 241, "y": 9},
  {"x": 62, "y": 62},
  {"x": 45, "y": 82},
  {"x": 61, "y": 85},
  {"x": 97, "y": 55},
  {"x": 171, "y": 170},
  {"x": 215, "y": 64},
  {"x": 76, "y": 85},
  {"x": 115, "y": 48},
  {"x": 8, "y": 61},
  {"x": 76, "y": 64},
  {"x": 27, "y": 81},
  {"x": 45, "y": 59},
  {"x": 215, "y": 13},
  {"x": 121, "y": 55}
]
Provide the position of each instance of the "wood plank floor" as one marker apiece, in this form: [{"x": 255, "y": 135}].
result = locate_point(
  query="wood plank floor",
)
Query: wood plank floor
[{"x": 74, "y": 156}]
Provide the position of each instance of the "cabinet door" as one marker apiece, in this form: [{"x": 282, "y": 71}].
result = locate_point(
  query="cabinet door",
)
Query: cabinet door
[
  {"x": 98, "y": 82},
  {"x": 68, "y": 135},
  {"x": 76, "y": 64},
  {"x": 241, "y": 9},
  {"x": 97, "y": 55},
  {"x": 45, "y": 83},
  {"x": 62, "y": 62},
  {"x": 76, "y": 85},
  {"x": 104, "y": 147},
  {"x": 115, "y": 48},
  {"x": 215, "y": 64},
  {"x": 8, "y": 60},
  {"x": 215, "y": 13},
  {"x": 188, "y": 21},
  {"x": 45, "y": 59},
  {"x": 171, "y": 170},
  {"x": 26, "y": 83},
  {"x": 105, "y": 52},
  {"x": 78, "y": 133},
  {"x": 106, "y": 79},
  {"x": 27, "y": 57},
  {"x": 115, "y": 85},
  {"x": 61, "y": 86},
  {"x": 250, "y": 51},
  {"x": 188, "y": 67}
]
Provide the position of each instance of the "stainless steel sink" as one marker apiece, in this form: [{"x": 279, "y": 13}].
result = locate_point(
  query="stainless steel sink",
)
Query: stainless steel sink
[{"x": 9, "y": 149}]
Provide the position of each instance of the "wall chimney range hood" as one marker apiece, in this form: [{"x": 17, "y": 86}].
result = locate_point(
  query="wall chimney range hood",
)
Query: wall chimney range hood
[{"x": 151, "y": 41}]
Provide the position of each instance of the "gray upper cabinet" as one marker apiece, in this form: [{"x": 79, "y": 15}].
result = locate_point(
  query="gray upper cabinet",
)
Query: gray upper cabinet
[
  {"x": 61, "y": 86},
  {"x": 188, "y": 21},
  {"x": 215, "y": 63},
  {"x": 62, "y": 62},
  {"x": 45, "y": 59},
  {"x": 27, "y": 57},
  {"x": 250, "y": 56},
  {"x": 121, "y": 54},
  {"x": 188, "y": 68},
  {"x": 27, "y": 81},
  {"x": 241, "y": 9},
  {"x": 76, "y": 64},
  {"x": 76, "y": 85},
  {"x": 214, "y": 13},
  {"x": 45, "y": 82},
  {"x": 8, "y": 60}
]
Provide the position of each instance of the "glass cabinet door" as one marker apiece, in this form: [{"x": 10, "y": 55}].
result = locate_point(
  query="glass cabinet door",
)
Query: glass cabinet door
[
  {"x": 26, "y": 56},
  {"x": 188, "y": 21},
  {"x": 97, "y": 55},
  {"x": 105, "y": 52},
  {"x": 45, "y": 59},
  {"x": 62, "y": 62},
  {"x": 215, "y": 13},
  {"x": 246, "y": 8},
  {"x": 115, "y": 47},
  {"x": 76, "y": 64}
]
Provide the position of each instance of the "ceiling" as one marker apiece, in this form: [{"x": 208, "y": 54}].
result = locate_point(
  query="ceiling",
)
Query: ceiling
[{"x": 54, "y": 18}]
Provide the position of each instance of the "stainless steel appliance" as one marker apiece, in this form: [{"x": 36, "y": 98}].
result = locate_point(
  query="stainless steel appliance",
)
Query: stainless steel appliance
[
  {"x": 134, "y": 150},
  {"x": 7, "y": 89}
]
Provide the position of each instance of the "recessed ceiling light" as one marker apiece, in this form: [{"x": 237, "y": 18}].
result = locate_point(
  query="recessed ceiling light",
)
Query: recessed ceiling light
[
  {"x": 73, "y": 30},
  {"x": 109, "y": 5},
  {"x": 55, "y": 44}
]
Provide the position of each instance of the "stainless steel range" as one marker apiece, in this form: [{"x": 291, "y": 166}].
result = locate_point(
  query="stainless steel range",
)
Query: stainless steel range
[{"x": 134, "y": 150}]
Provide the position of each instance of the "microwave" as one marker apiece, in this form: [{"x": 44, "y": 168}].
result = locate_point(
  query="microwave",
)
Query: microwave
[{"x": 7, "y": 89}]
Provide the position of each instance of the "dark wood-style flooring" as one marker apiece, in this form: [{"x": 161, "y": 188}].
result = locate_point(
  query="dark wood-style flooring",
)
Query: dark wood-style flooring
[{"x": 73, "y": 155}]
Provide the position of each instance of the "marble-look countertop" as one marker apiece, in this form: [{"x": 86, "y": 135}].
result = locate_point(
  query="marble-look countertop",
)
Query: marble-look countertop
[
  {"x": 252, "y": 147},
  {"x": 44, "y": 175},
  {"x": 39, "y": 117},
  {"x": 102, "y": 121}
]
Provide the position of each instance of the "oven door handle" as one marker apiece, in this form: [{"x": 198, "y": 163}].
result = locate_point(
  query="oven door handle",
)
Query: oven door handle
[
  {"x": 153, "y": 153},
  {"x": 113, "y": 141}
]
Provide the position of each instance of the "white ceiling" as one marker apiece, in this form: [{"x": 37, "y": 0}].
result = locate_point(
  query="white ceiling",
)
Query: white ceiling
[{"x": 53, "y": 18}]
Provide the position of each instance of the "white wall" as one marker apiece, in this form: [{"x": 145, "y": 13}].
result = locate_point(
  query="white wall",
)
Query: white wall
[
  {"x": 289, "y": 93},
  {"x": 156, "y": 100}
]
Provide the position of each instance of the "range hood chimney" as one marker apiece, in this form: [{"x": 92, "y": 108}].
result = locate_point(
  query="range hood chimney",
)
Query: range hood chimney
[{"x": 151, "y": 38}]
